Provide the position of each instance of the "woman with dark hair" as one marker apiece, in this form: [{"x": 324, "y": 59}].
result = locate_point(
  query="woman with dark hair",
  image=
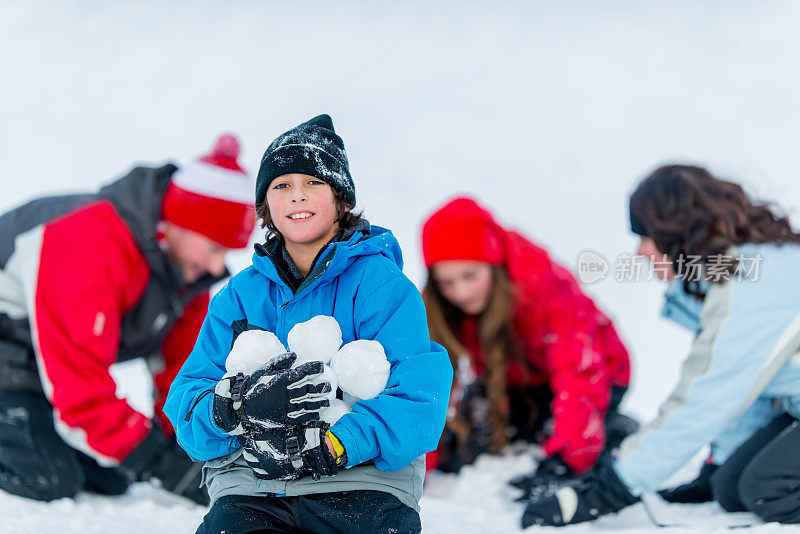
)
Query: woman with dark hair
[
  {"x": 534, "y": 357},
  {"x": 732, "y": 263}
]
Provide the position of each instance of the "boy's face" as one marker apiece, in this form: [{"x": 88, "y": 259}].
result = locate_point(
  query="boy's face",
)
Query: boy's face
[{"x": 303, "y": 209}]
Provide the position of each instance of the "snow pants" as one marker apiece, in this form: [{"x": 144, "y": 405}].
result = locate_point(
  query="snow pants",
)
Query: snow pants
[
  {"x": 36, "y": 463},
  {"x": 350, "y": 512},
  {"x": 763, "y": 475}
]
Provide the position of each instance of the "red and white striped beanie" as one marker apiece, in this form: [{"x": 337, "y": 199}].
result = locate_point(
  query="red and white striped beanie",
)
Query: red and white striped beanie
[{"x": 213, "y": 196}]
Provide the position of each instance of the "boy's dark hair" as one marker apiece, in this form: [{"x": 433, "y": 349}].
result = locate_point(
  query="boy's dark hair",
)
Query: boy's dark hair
[{"x": 345, "y": 219}]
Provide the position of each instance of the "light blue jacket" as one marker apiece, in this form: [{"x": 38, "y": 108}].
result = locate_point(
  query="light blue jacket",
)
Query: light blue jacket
[
  {"x": 743, "y": 369},
  {"x": 360, "y": 283}
]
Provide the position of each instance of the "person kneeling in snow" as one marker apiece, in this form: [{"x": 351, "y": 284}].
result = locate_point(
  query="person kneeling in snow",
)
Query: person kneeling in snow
[
  {"x": 732, "y": 264},
  {"x": 365, "y": 472},
  {"x": 88, "y": 280},
  {"x": 548, "y": 365}
]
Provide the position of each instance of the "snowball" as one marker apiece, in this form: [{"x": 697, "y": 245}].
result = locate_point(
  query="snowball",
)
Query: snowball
[
  {"x": 332, "y": 413},
  {"x": 362, "y": 368},
  {"x": 316, "y": 340},
  {"x": 349, "y": 400},
  {"x": 251, "y": 350}
]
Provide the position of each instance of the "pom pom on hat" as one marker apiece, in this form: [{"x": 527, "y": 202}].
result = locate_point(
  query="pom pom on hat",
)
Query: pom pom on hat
[{"x": 212, "y": 196}]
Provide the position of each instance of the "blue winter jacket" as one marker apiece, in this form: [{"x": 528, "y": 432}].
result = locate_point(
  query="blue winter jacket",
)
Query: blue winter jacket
[
  {"x": 743, "y": 369},
  {"x": 360, "y": 283}
]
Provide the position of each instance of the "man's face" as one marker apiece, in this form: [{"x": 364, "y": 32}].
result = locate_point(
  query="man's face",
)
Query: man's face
[{"x": 195, "y": 254}]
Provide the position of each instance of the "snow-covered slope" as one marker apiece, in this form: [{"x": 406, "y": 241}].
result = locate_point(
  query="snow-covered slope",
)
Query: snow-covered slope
[{"x": 548, "y": 111}]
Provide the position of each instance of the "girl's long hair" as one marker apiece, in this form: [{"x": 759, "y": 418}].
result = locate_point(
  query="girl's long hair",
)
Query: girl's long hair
[
  {"x": 496, "y": 340},
  {"x": 688, "y": 213}
]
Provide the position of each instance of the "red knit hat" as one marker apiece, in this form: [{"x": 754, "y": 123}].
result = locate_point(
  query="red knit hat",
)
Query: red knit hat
[
  {"x": 213, "y": 196},
  {"x": 461, "y": 230}
]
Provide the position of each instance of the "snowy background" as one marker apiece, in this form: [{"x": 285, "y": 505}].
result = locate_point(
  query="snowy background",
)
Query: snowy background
[{"x": 548, "y": 111}]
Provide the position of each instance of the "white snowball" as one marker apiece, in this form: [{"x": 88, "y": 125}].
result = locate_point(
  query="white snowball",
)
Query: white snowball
[
  {"x": 362, "y": 368},
  {"x": 349, "y": 400},
  {"x": 332, "y": 413},
  {"x": 251, "y": 350},
  {"x": 315, "y": 340}
]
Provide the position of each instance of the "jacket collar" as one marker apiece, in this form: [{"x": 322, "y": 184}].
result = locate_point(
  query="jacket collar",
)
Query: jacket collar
[
  {"x": 332, "y": 260},
  {"x": 680, "y": 307}
]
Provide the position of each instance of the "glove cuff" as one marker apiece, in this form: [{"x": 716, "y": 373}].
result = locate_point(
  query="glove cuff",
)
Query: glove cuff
[
  {"x": 227, "y": 402},
  {"x": 316, "y": 455},
  {"x": 338, "y": 448}
]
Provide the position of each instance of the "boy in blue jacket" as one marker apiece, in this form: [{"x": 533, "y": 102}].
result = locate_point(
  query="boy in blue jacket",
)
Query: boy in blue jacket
[{"x": 364, "y": 473}]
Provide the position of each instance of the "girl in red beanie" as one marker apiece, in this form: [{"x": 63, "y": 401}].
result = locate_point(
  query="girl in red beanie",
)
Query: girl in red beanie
[{"x": 534, "y": 358}]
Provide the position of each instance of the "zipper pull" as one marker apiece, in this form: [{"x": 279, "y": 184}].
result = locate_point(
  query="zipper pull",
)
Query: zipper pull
[{"x": 196, "y": 401}]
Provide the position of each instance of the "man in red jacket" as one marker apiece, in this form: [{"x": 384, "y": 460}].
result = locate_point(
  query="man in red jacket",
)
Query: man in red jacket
[{"x": 89, "y": 280}]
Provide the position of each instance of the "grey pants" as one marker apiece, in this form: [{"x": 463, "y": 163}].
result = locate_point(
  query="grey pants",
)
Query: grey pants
[{"x": 763, "y": 475}]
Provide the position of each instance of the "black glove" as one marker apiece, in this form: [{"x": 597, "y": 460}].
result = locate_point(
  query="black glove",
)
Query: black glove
[
  {"x": 598, "y": 493},
  {"x": 619, "y": 427},
  {"x": 698, "y": 490},
  {"x": 290, "y": 452},
  {"x": 158, "y": 458},
  {"x": 551, "y": 474},
  {"x": 273, "y": 396}
]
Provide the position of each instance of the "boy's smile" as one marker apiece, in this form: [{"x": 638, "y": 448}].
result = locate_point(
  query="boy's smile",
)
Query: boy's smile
[{"x": 300, "y": 215}]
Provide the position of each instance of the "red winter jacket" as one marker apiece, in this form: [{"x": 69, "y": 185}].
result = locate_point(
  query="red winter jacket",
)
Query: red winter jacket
[
  {"x": 95, "y": 289},
  {"x": 567, "y": 341},
  {"x": 570, "y": 344}
]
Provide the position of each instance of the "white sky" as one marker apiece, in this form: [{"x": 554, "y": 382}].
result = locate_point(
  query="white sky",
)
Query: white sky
[{"x": 547, "y": 111}]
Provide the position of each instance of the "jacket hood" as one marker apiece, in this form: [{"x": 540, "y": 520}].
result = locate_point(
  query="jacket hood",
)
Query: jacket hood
[
  {"x": 336, "y": 257},
  {"x": 137, "y": 197}
]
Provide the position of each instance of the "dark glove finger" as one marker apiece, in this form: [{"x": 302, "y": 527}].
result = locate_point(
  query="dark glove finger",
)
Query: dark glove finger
[
  {"x": 304, "y": 373},
  {"x": 307, "y": 407},
  {"x": 281, "y": 362},
  {"x": 309, "y": 391}
]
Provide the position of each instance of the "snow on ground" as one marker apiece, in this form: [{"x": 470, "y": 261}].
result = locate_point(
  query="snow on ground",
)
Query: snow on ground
[
  {"x": 549, "y": 111},
  {"x": 475, "y": 502}
]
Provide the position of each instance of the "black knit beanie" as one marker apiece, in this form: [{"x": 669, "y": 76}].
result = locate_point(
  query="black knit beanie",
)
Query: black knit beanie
[{"x": 312, "y": 148}]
